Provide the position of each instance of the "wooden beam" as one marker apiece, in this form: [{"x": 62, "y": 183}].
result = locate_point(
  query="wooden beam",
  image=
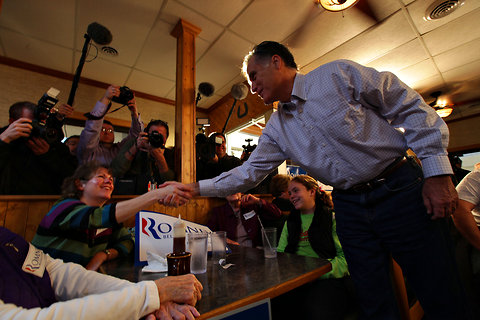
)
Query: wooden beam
[{"x": 185, "y": 113}]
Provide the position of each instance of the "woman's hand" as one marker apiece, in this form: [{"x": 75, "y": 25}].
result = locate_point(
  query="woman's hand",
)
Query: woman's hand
[{"x": 174, "y": 194}]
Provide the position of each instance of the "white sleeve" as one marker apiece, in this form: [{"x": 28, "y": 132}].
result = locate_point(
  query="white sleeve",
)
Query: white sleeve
[{"x": 86, "y": 294}]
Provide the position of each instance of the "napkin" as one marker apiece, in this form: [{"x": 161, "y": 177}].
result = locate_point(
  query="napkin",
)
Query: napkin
[{"x": 156, "y": 263}]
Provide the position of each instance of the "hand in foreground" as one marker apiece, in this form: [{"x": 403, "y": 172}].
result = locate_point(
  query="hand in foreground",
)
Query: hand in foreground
[
  {"x": 171, "y": 310},
  {"x": 65, "y": 110},
  {"x": 17, "y": 129},
  {"x": 38, "y": 145},
  {"x": 179, "y": 289},
  {"x": 248, "y": 199},
  {"x": 174, "y": 193},
  {"x": 193, "y": 187},
  {"x": 439, "y": 196}
]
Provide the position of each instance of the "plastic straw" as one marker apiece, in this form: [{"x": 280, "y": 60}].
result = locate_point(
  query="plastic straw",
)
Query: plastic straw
[{"x": 263, "y": 230}]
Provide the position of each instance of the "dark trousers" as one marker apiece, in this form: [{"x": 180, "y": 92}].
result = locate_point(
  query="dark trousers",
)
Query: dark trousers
[{"x": 392, "y": 220}]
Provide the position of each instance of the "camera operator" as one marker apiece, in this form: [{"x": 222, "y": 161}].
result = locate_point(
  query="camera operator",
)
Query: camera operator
[
  {"x": 145, "y": 160},
  {"x": 97, "y": 138},
  {"x": 28, "y": 163},
  {"x": 221, "y": 161}
]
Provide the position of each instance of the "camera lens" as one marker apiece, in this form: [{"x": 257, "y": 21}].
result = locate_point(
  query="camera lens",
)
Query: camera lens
[{"x": 156, "y": 139}]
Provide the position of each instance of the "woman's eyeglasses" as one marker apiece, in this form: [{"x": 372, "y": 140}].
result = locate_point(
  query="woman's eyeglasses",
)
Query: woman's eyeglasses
[{"x": 107, "y": 130}]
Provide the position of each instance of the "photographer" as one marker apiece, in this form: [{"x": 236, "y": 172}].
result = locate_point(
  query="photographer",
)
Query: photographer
[
  {"x": 217, "y": 163},
  {"x": 97, "y": 138},
  {"x": 28, "y": 163},
  {"x": 145, "y": 160}
]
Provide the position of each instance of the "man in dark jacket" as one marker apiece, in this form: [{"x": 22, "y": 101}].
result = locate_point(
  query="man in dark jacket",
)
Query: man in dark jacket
[{"x": 28, "y": 163}]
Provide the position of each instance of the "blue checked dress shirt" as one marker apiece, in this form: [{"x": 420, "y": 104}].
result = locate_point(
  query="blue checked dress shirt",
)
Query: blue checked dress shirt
[{"x": 342, "y": 126}]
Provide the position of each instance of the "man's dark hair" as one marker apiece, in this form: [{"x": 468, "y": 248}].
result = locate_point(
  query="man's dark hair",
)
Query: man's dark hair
[
  {"x": 15, "y": 111},
  {"x": 157, "y": 123},
  {"x": 268, "y": 49},
  {"x": 108, "y": 122},
  {"x": 219, "y": 134},
  {"x": 71, "y": 137}
]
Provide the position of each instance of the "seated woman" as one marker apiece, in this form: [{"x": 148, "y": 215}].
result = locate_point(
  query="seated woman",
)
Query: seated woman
[
  {"x": 311, "y": 231},
  {"x": 35, "y": 286},
  {"x": 81, "y": 228},
  {"x": 239, "y": 218}
]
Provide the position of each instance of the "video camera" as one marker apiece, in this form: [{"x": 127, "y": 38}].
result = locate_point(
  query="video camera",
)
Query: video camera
[
  {"x": 247, "y": 149},
  {"x": 44, "y": 123},
  {"x": 205, "y": 147},
  {"x": 124, "y": 97}
]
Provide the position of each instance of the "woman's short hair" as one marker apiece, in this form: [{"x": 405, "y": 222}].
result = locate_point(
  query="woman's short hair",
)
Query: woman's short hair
[
  {"x": 84, "y": 172},
  {"x": 312, "y": 184}
]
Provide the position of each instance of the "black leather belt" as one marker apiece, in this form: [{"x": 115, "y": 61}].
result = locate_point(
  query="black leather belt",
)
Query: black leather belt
[{"x": 378, "y": 180}]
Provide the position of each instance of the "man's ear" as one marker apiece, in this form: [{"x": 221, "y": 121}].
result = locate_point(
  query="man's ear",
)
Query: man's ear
[
  {"x": 79, "y": 184},
  {"x": 276, "y": 61}
]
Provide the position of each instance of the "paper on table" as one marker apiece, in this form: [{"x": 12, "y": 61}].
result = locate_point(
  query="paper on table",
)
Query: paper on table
[{"x": 156, "y": 263}]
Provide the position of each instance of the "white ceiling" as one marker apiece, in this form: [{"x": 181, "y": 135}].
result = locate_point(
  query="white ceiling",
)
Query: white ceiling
[{"x": 427, "y": 55}]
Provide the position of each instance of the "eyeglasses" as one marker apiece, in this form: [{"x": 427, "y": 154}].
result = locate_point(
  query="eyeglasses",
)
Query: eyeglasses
[{"x": 107, "y": 130}]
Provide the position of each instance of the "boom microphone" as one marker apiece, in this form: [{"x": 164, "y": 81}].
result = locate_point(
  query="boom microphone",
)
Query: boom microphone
[
  {"x": 206, "y": 89},
  {"x": 239, "y": 91},
  {"x": 99, "y": 33}
]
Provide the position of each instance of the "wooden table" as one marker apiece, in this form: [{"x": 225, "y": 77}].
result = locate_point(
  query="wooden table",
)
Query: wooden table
[{"x": 251, "y": 279}]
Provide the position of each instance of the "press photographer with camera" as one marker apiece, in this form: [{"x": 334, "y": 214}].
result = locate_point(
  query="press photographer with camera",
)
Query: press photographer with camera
[
  {"x": 32, "y": 157},
  {"x": 144, "y": 162},
  {"x": 212, "y": 157},
  {"x": 97, "y": 138}
]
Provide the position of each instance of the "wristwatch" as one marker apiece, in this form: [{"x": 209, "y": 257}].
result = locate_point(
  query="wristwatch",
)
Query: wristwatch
[{"x": 108, "y": 253}]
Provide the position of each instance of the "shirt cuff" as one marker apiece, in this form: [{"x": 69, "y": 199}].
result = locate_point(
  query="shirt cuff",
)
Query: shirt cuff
[
  {"x": 207, "y": 188},
  {"x": 99, "y": 109},
  {"x": 436, "y": 166},
  {"x": 152, "y": 299}
]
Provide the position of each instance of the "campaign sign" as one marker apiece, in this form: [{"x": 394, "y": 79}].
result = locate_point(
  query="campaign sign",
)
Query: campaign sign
[{"x": 154, "y": 233}]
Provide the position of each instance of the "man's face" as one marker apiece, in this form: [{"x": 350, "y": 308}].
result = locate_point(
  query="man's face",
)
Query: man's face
[
  {"x": 107, "y": 134},
  {"x": 72, "y": 144},
  {"x": 264, "y": 79},
  {"x": 221, "y": 150},
  {"x": 234, "y": 199},
  {"x": 26, "y": 113}
]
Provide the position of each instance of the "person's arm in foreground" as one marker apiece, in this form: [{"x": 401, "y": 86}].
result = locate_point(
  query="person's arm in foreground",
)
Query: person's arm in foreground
[
  {"x": 466, "y": 224},
  {"x": 90, "y": 295}
]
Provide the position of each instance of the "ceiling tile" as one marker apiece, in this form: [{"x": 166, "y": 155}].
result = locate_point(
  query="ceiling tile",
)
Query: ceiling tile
[
  {"x": 129, "y": 22},
  {"x": 453, "y": 34},
  {"x": 466, "y": 72},
  {"x": 218, "y": 10},
  {"x": 272, "y": 19},
  {"x": 401, "y": 57},
  {"x": 148, "y": 83},
  {"x": 36, "y": 52},
  {"x": 417, "y": 72},
  {"x": 227, "y": 52},
  {"x": 458, "y": 56},
  {"x": 418, "y": 8},
  {"x": 173, "y": 11},
  {"x": 373, "y": 43},
  {"x": 105, "y": 71},
  {"x": 35, "y": 19},
  {"x": 428, "y": 85}
]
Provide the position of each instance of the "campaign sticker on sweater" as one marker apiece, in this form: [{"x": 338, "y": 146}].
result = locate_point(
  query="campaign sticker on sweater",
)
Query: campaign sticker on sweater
[
  {"x": 35, "y": 262},
  {"x": 248, "y": 215}
]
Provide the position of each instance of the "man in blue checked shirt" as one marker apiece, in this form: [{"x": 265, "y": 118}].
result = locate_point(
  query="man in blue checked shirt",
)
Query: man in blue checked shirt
[{"x": 341, "y": 122}]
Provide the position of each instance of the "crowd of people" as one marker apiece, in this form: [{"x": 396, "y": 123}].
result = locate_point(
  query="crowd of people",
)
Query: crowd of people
[{"x": 339, "y": 122}]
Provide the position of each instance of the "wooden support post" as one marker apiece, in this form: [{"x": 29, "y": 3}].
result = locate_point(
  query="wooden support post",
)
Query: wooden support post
[{"x": 185, "y": 115}]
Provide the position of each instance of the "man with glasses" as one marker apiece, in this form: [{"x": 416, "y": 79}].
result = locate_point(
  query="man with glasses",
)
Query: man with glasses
[{"x": 98, "y": 136}]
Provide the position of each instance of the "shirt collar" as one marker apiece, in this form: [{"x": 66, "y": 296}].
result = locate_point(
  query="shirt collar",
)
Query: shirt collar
[{"x": 298, "y": 94}]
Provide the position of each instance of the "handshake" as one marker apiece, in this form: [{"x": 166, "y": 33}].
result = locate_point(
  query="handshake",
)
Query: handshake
[{"x": 175, "y": 194}]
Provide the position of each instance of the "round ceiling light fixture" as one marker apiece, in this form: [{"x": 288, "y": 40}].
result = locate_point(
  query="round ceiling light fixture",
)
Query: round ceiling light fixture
[
  {"x": 336, "y": 5},
  {"x": 442, "y": 8}
]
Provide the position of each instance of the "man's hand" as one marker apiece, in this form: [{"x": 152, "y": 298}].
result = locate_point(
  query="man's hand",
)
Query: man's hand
[
  {"x": 171, "y": 310},
  {"x": 38, "y": 145},
  {"x": 192, "y": 187},
  {"x": 109, "y": 94},
  {"x": 439, "y": 196},
  {"x": 17, "y": 129},
  {"x": 179, "y": 289},
  {"x": 132, "y": 106},
  {"x": 248, "y": 199},
  {"x": 64, "y": 111}
]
